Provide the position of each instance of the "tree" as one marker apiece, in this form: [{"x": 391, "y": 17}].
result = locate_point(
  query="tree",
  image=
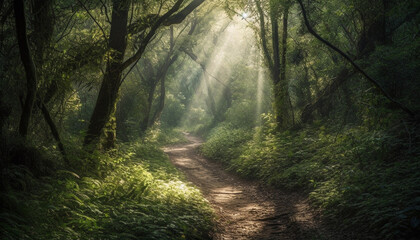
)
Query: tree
[
  {"x": 275, "y": 62},
  {"x": 106, "y": 102},
  {"x": 155, "y": 77},
  {"x": 30, "y": 71},
  {"x": 365, "y": 44},
  {"x": 28, "y": 64}
]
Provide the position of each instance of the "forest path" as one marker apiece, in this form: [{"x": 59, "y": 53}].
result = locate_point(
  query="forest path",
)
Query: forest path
[{"x": 245, "y": 209}]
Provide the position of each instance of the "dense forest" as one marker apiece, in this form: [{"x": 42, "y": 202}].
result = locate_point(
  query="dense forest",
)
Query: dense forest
[{"x": 312, "y": 98}]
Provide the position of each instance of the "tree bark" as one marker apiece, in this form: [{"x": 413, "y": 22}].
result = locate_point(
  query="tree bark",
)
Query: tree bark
[
  {"x": 355, "y": 66},
  {"x": 53, "y": 127},
  {"x": 28, "y": 64},
  {"x": 278, "y": 88},
  {"x": 323, "y": 97},
  {"x": 275, "y": 43},
  {"x": 152, "y": 33},
  {"x": 161, "y": 103},
  {"x": 177, "y": 18},
  {"x": 285, "y": 108},
  {"x": 43, "y": 24},
  {"x": 108, "y": 93},
  {"x": 211, "y": 104},
  {"x": 275, "y": 62},
  {"x": 169, "y": 60},
  {"x": 263, "y": 35},
  {"x": 145, "y": 123}
]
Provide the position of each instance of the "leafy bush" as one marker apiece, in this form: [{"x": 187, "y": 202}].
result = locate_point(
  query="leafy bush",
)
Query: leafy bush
[
  {"x": 240, "y": 113},
  {"x": 140, "y": 196},
  {"x": 365, "y": 179},
  {"x": 173, "y": 112},
  {"x": 161, "y": 136},
  {"x": 225, "y": 143}
]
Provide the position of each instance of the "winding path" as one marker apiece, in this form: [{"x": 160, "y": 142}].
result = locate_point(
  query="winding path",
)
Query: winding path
[{"x": 245, "y": 209}]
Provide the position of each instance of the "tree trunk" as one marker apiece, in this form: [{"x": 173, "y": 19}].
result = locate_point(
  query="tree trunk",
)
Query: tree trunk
[
  {"x": 284, "y": 45},
  {"x": 285, "y": 108},
  {"x": 108, "y": 93},
  {"x": 161, "y": 103},
  {"x": 323, "y": 97},
  {"x": 145, "y": 123},
  {"x": 211, "y": 104},
  {"x": 28, "y": 64},
  {"x": 263, "y": 35},
  {"x": 281, "y": 104},
  {"x": 162, "y": 75},
  {"x": 53, "y": 128},
  {"x": 43, "y": 24},
  {"x": 5, "y": 112},
  {"x": 375, "y": 83}
]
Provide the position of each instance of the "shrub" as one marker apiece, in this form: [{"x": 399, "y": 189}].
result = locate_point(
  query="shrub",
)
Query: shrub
[
  {"x": 138, "y": 195},
  {"x": 225, "y": 143},
  {"x": 365, "y": 179}
]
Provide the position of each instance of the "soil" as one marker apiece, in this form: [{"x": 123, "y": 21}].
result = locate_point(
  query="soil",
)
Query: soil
[{"x": 246, "y": 209}]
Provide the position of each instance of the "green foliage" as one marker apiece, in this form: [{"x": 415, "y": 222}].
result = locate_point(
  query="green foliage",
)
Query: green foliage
[
  {"x": 174, "y": 110},
  {"x": 365, "y": 179},
  {"x": 140, "y": 196},
  {"x": 225, "y": 143},
  {"x": 165, "y": 136},
  {"x": 240, "y": 115},
  {"x": 397, "y": 67}
]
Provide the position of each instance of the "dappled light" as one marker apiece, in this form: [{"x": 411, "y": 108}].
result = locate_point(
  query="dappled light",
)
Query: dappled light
[
  {"x": 260, "y": 92},
  {"x": 209, "y": 119},
  {"x": 233, "y": 43}
]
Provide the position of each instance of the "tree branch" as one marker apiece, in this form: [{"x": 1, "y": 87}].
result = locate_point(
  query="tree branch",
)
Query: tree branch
[
  {"x": 177, "y": 18},
  {"x": 263, "y": 35},
  {"x": 181, "y": 15},
  {"x": 195, "y": 59},
  {"x": 28, "y": 64},
  {"x": 151, "y": 33},
  {"x": 96, "y": 22},
  {"x": 345, "y": 56}
]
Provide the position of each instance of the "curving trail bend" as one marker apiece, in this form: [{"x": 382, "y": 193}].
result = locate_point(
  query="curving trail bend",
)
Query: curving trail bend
[{"x": 246, "y": 209}]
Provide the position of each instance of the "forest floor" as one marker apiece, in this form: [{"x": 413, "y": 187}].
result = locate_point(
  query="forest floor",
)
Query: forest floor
[{"x": 246, "y": 209}]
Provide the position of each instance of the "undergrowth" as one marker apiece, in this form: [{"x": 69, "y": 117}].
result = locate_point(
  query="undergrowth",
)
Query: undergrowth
[
  {"x": 225, "y": 143},
  {"x": 365, "y": 179},
  {"x": 137, "y": 195}
]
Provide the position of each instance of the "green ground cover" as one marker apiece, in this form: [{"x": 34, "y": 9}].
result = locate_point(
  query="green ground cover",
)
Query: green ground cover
[
  {"x": 136, "y": 193},
  {"x": 364, "y": 179}
]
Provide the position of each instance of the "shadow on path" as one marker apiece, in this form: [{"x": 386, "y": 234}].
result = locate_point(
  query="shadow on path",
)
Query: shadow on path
[{"x": 246, "y": 209}]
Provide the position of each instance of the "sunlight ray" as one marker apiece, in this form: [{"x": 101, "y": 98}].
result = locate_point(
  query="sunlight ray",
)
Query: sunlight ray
[
  {"x": 260, "y": 90},
  {"x": 232, "y": 46}
]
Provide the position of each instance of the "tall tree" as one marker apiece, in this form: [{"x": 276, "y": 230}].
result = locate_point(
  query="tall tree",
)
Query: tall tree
[
  {"x": 156, "y": 77},
  {"x": 41, "y": 13},
  {"x": 366, "y": 46},
  {"x": 28, "y": 64},
  {"x": 105, "y": 104},
  {"x": 275, "y": 62},
  {"x": 107, "y": 98}
]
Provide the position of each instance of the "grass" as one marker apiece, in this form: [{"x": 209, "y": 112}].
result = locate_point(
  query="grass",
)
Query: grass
[
  {"x": 137, "y": 194},
  {"x": 364, "y": 179}
]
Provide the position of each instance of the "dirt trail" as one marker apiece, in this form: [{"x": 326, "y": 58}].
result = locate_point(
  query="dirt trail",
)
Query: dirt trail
[{"x": 246, "y": 210}]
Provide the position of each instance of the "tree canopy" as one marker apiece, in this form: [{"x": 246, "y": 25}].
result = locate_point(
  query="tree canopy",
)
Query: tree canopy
[{"x": 313, "y": 96}]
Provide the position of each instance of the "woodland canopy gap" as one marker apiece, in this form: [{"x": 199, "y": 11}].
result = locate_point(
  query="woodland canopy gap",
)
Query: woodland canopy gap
[{"x": 318, "y": 98}]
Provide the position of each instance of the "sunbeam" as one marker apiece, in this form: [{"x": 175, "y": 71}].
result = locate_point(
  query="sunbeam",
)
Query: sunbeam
[
  {"x": 260, "y": 91},
  {"x": 233, "y": 42}
]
